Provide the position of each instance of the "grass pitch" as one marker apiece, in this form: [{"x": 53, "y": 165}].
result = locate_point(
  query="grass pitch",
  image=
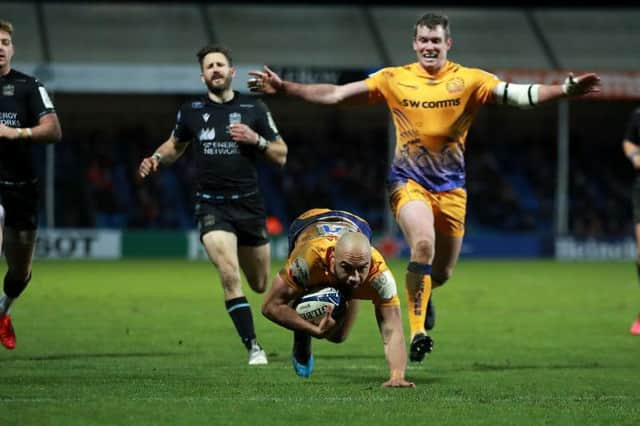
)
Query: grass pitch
[{"x": 149, "y": 342}]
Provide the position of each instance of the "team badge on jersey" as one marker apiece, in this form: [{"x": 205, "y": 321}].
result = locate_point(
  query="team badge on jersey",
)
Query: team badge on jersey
[
  {"x": 235, "y": 118},
  {"x": 8, "y": 90},
  {"x": 455, "y": 85},
  {"x": 205, "y": 117}
]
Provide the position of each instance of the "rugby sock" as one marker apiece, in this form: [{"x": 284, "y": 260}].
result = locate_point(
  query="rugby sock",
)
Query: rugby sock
[
  {"x": 301, "y": 346},
  {"x": 638, "y": 269},
  {"x": 5, "y": 303},
  {"x": 240, "y": 312},
  {"x": 418, "y": 289}
]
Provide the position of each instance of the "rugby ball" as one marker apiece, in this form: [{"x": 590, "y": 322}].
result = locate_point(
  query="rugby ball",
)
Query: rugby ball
[{"x": 313, "y": 306}]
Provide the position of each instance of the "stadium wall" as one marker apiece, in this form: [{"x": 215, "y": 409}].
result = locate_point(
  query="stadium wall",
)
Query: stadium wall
[{"x": 115, "y": 244}]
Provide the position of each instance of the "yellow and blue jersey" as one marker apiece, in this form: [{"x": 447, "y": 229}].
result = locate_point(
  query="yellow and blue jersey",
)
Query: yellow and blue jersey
[
  {"x": 432, "y": 115},
  {"x": 314, "y": 235}
]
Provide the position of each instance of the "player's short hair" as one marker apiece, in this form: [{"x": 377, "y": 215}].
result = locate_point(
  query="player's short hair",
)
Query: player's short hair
[
  {"x": 6, "y": 26},
  {"x": 431, "y": 21},
  {"x": 214, "y": 48}
]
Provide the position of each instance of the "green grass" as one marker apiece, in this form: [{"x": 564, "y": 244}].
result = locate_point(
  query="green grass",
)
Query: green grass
[{"x": 149, "y": 342}]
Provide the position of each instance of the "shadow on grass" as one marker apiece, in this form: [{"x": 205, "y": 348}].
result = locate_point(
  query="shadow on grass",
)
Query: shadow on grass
[
  {"x": 507, "y": 367},
  {"x": 352, "y": 357},
  {"x": 373, "y": 379},
  {"x": 62, "y": 357}
]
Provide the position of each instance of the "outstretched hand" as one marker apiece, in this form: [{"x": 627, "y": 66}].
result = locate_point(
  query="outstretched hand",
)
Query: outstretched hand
[
  {"x": 265, "y": 81},
  {"x": 581, "y": 85}
]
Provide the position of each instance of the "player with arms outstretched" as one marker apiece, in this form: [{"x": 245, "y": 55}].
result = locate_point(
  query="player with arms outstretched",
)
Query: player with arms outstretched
[{"x": 433, "y": 103}]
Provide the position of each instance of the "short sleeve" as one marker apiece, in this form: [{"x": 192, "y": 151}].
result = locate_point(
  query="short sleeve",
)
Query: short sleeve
[
  {"x": 485, "y": 85},
  {"x": 632, "y": 133},
  {"x": 181, "y": 131},
  {"x": 39, "y": 101},
  {"x": 265, "y": 124},
  {"x": 378, "y": 85}
]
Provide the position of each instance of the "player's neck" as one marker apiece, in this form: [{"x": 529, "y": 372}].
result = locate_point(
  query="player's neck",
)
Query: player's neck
[
  {"x": 221, "y": 97},
  {"x": 436, "y": 69},
  {"x": 4, "y": 70}
]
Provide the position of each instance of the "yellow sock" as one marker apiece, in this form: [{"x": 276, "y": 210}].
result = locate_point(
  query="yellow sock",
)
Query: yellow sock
[{"x": 418, "y": 288}]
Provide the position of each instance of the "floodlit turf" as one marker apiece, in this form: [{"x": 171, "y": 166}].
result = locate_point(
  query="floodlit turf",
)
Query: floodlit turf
[{"x": 149, "y": 342}]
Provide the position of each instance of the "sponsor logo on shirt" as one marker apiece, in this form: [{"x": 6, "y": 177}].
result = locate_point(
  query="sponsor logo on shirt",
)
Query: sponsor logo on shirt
[
  {"x": 207, "y": 134},
  {"x": 445, "y": 103},
  {"x": 10, "y": 119},
  {"x": 8, "y": 90}
]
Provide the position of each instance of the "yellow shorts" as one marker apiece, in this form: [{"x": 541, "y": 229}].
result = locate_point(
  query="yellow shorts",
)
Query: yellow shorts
[{"x": 449, "y": 208}]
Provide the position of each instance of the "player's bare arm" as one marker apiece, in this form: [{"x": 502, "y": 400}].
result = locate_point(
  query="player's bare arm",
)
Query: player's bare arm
[
  {"x": 529, "y": 95},
  {"x": 573, "y": 86},
  {"x": 277, "y": 307},
  {"x": 269, "y": 82},
  {"x": 274, "y": 151},
  {"x": 167, "y": 153},
  {"x": 46, "y": 131},
  {"x": 390, "y": 324}
]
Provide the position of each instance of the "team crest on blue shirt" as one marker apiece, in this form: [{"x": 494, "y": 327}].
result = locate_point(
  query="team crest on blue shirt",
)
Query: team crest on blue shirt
[
  {"x": 205, "y": 117},
  {"x": 8, "y": 90}
]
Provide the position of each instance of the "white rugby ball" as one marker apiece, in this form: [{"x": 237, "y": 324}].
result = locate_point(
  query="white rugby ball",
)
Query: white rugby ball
[{"x": 313, "y": 306}]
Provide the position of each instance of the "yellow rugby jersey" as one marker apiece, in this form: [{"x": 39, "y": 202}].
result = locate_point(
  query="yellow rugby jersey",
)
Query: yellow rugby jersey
[
  {"x": 432, "y": 115},
  {"x": 308, "y": 268}
]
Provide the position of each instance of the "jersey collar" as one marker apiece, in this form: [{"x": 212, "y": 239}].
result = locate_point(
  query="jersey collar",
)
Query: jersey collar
[
  {"x": 229, "y": 102},
  {"x": 421, "y": 72}
]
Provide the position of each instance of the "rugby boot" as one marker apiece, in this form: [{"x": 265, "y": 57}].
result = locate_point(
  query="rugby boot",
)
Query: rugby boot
[
  {"x": 303, "y": 370},
  {"x": 257, "y": 355},
  {"x": 421, "y": 345},
  {"x": 7, "y": 335}
]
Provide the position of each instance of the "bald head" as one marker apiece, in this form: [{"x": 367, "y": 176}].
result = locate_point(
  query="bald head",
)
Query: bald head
[
  {"x": 351, "y": 259},
  {"x": 353, "y": 247}
]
